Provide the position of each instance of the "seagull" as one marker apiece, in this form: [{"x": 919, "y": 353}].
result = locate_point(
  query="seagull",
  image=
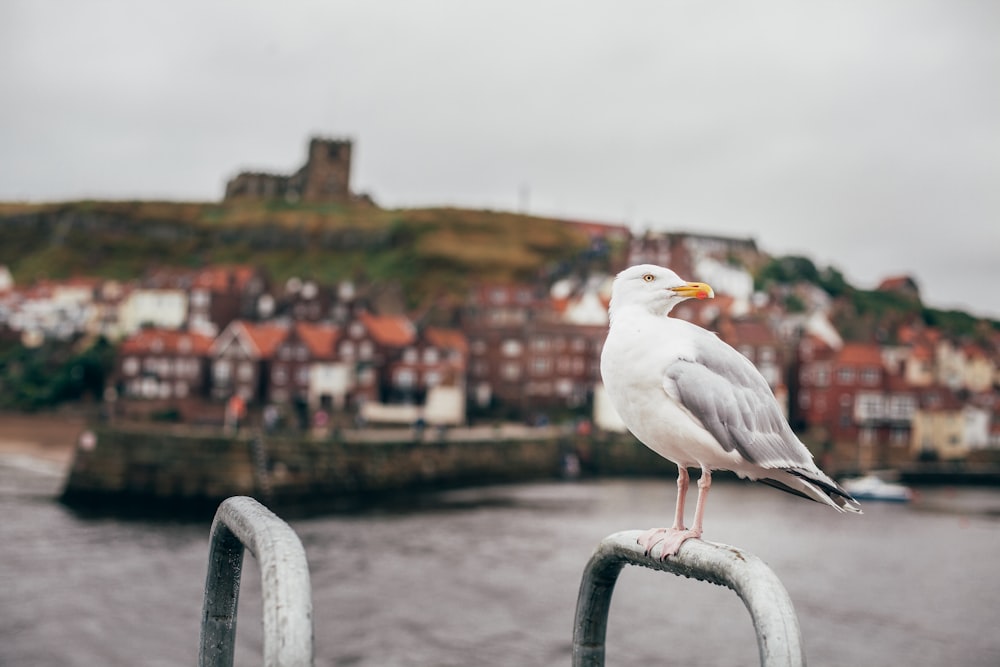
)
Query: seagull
[{"x": 696, "y": 401}]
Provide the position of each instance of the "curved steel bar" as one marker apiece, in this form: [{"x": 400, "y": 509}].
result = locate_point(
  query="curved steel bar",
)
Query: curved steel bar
[
  {"x": 778, "y": 639},
  {"x": 287, "y": 597}
]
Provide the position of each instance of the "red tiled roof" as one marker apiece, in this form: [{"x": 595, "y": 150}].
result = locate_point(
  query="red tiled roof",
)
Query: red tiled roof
[
  {"x": 898, "y": 283},
  {"x": 859, "y": 354},
  {"x": 389, "y": 330},
  {"x": 224, "y": 278},
  {"x": 265, "y": 337},
  {"x": 449, "y": 339},
  {"x": 167, "y": 341},
  {"x": 319, "y": 338},
  {"x": 974, "y": 351}
]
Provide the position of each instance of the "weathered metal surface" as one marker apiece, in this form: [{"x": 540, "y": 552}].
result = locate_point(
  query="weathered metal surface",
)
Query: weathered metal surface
[
  {"x": 287, "y": 597},
  {"x": 778, "y": 639}
]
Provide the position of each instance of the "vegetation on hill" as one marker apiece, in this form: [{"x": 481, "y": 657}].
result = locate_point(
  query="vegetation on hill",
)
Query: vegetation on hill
[
  {"x": 424, "y": 252},
  {"x": 870, "y": 315},
  {"x": 427, "y": 256}
]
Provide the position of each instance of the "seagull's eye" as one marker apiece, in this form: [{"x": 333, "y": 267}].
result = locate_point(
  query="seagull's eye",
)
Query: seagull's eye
[{"x": 648, "y": 277}]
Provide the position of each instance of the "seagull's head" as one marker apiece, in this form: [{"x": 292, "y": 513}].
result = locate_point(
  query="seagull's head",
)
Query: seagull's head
[{"x": 654, "y": 288}]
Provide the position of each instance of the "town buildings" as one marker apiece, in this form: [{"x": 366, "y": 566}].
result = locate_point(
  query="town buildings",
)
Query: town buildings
[{"x": 190, "y": 340}]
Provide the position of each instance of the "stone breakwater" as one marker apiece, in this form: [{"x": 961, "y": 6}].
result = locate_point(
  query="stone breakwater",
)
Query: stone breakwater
[{"x": 179, "y": 470}]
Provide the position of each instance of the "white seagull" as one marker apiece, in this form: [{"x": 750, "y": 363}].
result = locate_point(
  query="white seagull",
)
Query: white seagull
[{"x": 696, "y": 401}]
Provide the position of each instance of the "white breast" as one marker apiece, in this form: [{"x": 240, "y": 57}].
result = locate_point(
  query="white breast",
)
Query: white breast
[{"x": 632, "y": 366}]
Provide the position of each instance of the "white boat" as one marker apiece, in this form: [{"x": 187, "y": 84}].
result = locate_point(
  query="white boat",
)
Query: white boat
[{"x": 873, "y": 487}]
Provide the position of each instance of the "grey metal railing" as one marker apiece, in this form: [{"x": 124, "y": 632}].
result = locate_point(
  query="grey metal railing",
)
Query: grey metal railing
[
  {"x": 243, "y": 523},
  {"x": 778, "y": 640}
]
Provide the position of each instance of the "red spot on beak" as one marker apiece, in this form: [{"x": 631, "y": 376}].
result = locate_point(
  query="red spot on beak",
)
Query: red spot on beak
[{"x": 702, "y": 294}]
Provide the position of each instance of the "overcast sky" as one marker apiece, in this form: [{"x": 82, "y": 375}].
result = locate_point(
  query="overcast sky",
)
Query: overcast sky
[{"x": 864, "y": 134}]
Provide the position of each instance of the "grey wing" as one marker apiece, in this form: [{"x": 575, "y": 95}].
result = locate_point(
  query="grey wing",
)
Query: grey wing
[{"x": 733, "y": 401}]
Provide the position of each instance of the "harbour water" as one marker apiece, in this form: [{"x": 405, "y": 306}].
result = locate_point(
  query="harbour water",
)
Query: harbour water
[{"x": 489, "y": 577}]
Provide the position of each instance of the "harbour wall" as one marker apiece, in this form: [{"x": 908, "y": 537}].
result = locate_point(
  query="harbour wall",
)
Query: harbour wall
[{"x": 178, "y": 471}]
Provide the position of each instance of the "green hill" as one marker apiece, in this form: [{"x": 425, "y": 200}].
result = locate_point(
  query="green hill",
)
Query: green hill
[{"x": 428, "y": 253}]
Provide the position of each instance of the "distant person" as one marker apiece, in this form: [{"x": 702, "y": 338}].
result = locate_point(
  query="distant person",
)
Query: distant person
[{"x": 236, "y": 410}]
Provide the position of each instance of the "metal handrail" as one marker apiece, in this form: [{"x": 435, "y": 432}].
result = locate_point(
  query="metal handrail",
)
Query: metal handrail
[
  {"x": 778, "y": 639},
  {"x": 243, "y": 523}
]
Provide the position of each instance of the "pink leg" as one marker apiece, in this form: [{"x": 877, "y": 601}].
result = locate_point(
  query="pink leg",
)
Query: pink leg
[
  {"x": 704, "y": 484},
  {"x": 654, "y": 536},
  {"x": 672, "y": 539},
  {"x": 682, "y": 489}
]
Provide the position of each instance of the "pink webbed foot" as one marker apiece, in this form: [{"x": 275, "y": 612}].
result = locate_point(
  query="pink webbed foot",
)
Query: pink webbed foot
[{"x": 670, "y": 539}]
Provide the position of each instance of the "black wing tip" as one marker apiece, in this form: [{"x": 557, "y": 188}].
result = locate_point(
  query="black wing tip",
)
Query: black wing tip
[{"x": 841, "y": 499}]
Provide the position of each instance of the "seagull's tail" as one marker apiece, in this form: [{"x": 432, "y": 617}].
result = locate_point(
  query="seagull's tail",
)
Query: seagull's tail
[{"x": 814, "y": 485}]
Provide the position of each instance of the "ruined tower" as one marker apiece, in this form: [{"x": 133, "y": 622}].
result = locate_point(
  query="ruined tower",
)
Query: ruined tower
[{"x": 325, "y": 177}]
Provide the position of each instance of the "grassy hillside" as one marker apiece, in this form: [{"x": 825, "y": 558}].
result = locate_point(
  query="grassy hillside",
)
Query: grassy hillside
[{"x": 422, "y": 251}]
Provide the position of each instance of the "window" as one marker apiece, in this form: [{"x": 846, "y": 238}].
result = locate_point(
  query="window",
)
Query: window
[
  {"x": 870, "y": 406},
  {"x": 902, "y": 407},
  {"x": 280, "y": 375},
  {"x": 845, "y": 375},
  {"x": 302, "y": 376},
  {"x": 366, "y": 350},
  {"x": 816, "y": 375},
  {"x": 245, "y": 371},
  {"x": 223, "y": 371},
  {"x": 540, "y": 344},
  {"x": 130, "y": 366},
  {"x": 199, "y": 298},
  {"x": 431, "y": 355},
  {"x": 869, "y": 376},
  {"x": 410, "y": 355},
  {"x": 510, "y": 371},
  {"x": 347, "y": 349},
  {"x": 510, "y": 348},
  {"x": 541, "y": 366},
  {"x": 406, "y": 378}
]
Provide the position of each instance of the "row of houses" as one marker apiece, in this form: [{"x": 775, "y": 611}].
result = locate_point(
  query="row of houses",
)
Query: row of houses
[
  {"x": 297, "y": 365},
  {"x": 925, "y": 397},
  {"x": 190, "y": 340}
]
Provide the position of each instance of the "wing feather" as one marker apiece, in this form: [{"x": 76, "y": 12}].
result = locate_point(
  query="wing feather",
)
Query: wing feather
[{"x": 733, "y": 401}]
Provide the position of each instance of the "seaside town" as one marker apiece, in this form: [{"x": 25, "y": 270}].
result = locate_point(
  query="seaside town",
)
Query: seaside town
[
  {"x": 227, "y": 346},
  {"x": 443, "y": 333}
]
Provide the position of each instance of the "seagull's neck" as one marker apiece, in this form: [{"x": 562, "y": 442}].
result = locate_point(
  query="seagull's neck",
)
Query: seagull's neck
[{"x": 633, "y": 312}]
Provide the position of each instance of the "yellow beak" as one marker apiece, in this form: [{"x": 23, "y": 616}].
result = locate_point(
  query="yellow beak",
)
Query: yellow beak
[{"x": 695, "y": 291}]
